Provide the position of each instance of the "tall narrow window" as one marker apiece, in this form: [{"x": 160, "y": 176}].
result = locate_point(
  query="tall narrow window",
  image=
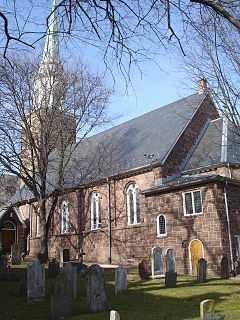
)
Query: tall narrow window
[
  {"x": 65, "y": 225},
  {"x": 95, "y": 211},
  {"x": 133, "y": 204},
  {"x": 192, "y": 202},
  {"x": 161, "y": 225}
]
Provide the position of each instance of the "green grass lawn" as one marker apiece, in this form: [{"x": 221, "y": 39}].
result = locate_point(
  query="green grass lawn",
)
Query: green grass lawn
[{"x": 146, "y": 300}]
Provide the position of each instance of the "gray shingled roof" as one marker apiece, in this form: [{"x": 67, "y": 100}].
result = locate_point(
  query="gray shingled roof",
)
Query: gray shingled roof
[
  {"x": 216, "y": 147},
  {"x": 122, "y": 148}
]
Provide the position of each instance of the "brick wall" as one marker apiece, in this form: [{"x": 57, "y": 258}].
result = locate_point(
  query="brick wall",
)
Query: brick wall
[
  {"x": 179, "y": 152},
  {"x": 210, "y": 227}
]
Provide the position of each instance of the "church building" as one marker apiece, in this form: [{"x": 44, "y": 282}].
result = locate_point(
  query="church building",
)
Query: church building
[{"x": 170, "y": 179}]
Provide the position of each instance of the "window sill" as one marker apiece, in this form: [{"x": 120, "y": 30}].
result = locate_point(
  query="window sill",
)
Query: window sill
[
  {"x": 96, "y": 229},
  {"x": 133, "y": 224},
  {"x": 162, "y": 235},
  {"x": 193, "y": 214}
]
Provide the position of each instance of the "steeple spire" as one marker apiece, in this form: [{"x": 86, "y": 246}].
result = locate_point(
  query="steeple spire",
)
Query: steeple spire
[{"x": 51, "y": 48}]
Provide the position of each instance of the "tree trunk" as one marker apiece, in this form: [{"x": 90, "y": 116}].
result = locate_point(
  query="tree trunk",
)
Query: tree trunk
[{"x": 43, "y": 254}]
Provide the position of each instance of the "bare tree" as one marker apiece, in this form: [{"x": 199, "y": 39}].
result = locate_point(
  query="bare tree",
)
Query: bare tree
[
  {"x": 43, "y": 109},
  {"x": 215, "y": 55},
  {"x": 126, "y": 32}
]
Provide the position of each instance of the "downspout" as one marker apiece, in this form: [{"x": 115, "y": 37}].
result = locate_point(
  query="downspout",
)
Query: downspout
[
  {"x": 109, "y": 221},
  {"x": 229, "y": 228}
]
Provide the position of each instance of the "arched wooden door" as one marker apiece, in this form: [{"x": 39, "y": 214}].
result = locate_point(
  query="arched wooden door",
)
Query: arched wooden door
[
  {"x": 196, "y": 253},
  {"x": 8, "y": 235}
]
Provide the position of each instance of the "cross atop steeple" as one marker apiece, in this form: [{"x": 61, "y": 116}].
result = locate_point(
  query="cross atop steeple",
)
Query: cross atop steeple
[{"x": 51, "y": 48}]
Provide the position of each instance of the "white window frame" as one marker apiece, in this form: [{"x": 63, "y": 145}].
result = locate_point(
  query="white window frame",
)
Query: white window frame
[
  {"x": 193, "y": 204},
  {"x": 158, "y": 229},
  {"x": 134, "y": 188},
  {"x": 97, "y": 197},
  {"x": 65, "y": 228},
  {"x": 38, "y": 233}
]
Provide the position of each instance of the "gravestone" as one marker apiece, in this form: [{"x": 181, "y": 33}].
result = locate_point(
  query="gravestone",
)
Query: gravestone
[
  {"x": 170, "y": 279},
  {"x": 71, "y": 273},
  {"x": 36, "y": 281},
  {"x": 171, "y": 274},
  {"x": 170, "y": 261},
  {"x": 3, "y": 265},
  {"x": 224, "y": 269},
  {"x": 202, "y": 271},
  {"x": 114, "y": 315},
  {"x": 61, "y": 297},
  {"x": 120, "y": 280},
  {"x": 53, "y": 268},
  {"x": 207, "y": 310},
  {"x": 96, "y": 295},
  {"x": 15, "y": 254},
  {"x": 143, "y": 270},
  {"x": 157, "y": 263},
  {"x": 64, "y": 256}
]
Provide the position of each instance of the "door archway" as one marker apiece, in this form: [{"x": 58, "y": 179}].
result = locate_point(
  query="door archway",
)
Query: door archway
[
  {"x": 8, "y": 235},
  {"x": 195, "y": 253}
]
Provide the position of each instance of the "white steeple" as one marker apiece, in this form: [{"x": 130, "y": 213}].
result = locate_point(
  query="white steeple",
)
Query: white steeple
[{"x": 51, "y": 48}]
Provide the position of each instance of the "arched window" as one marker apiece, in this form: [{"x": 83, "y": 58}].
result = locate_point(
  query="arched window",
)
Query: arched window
[
  {"x": 133, "y": 204},
  {"x": 65, "y": 225},
  {"x": 95, "y": 211},
  {"x": 161, "y": 225}
]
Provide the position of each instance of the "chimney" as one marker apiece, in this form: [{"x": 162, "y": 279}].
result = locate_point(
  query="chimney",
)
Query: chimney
[{"x": 202, "y": 85}]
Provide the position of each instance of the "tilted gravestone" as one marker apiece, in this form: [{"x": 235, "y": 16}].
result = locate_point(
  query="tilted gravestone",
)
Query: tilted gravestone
[
  {"x": 143, "y": 270},
  {"x": 61, "y": 297},
  {"x": 53, "y": 268},
  {"x": 71, "y": 273},
  {"x": 64, "y": 256},
  {"x": 157, "y": 263},
  {"x": 114, "y": 315},
  {"x": 171, "y": 274},
  {"x": 202, "y": 271},
  {"x": 3, "y": 265},
  {"x": 15, "y": 254},
  {"x": 96, "y": 294},
  {"x": 224, "y": 269},
  {"x": 120, "y": 280},
  {"x": 36, "y": 281}
]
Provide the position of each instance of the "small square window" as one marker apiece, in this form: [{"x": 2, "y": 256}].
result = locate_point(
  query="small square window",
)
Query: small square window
[{"x": 192, "y": 202}]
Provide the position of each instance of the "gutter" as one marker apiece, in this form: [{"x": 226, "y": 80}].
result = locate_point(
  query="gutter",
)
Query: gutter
[
  {"x": 229, "y": 229},
  {"x": 109, "y": 221}
]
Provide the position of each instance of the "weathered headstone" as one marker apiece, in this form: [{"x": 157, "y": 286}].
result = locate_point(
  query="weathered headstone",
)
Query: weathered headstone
[
  {"x": 3, "y": 265},
  {"x": 171, "y": 274},
  {"x": 120, "y": 280},
  {"x": 157, "y": 263},
  {"x": 53, "y": 268},
  {"x": 170, "y": 261},
  {"x": 72, "y": 276},
  {"x": 202, "y": 271},
  {"x": 15, "y": 254},
  {"x": 114, "y": 315},
  {"x": 170, "y": 279},
  {"x": 96, "y": 295},
  {"x": 222, "y": 317},
  {"x": 143, "y": 270},
  {"x": 64, "y": 256},
  {"x": 207, "y": 310},
  {"x": 61, "y": 297},
  {"x": 36, "y": 281},
  {"x": 224, "y": 268}
]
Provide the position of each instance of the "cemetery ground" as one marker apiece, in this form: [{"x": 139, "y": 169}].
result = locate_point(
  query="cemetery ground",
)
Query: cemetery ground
[{"x": 145, "y": 300}]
